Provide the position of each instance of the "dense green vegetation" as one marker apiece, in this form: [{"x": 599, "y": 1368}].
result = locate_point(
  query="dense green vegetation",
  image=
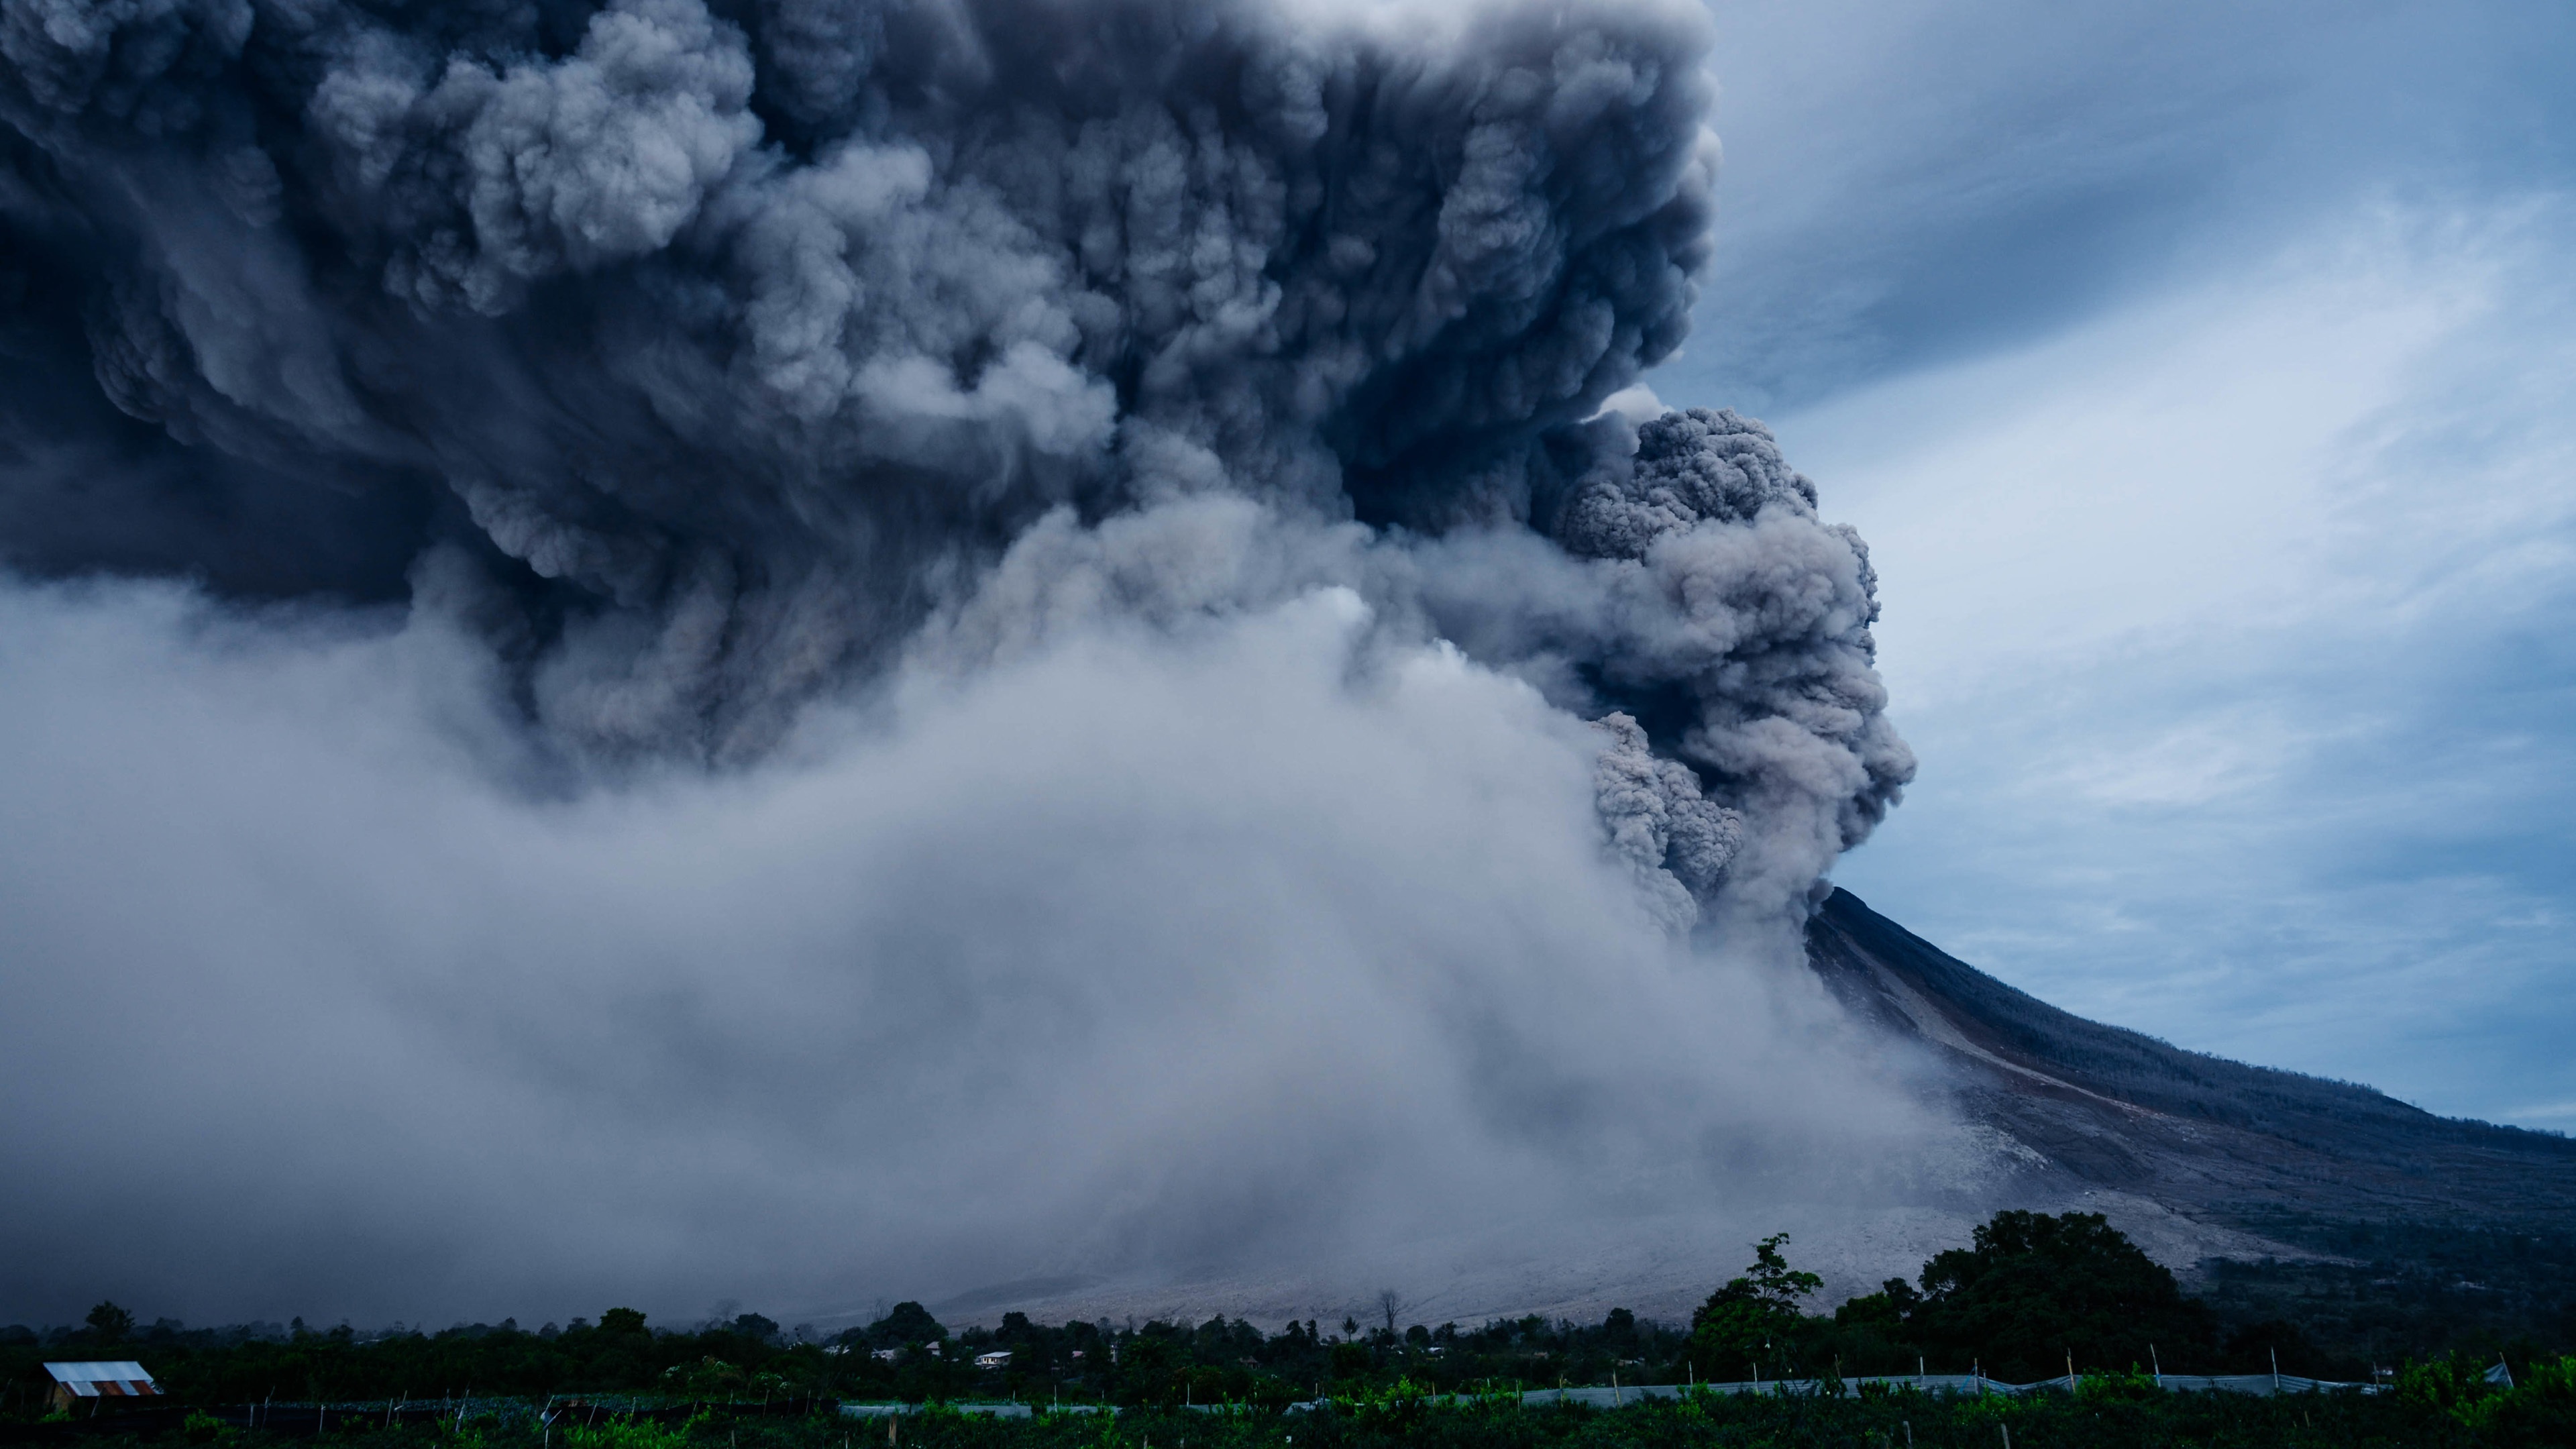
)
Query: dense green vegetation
[
  {"x": 2034, "y": 1292},
  {"x": 2034, "y": 1296},
  {"x": 2406, "y": 1290},
  {"x": 2109, "y": 1414},
  {"x": 2027, "y": 1295}
]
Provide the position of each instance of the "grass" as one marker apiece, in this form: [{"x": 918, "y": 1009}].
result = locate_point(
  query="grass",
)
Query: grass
[{"x": 2112, "y": 1419}]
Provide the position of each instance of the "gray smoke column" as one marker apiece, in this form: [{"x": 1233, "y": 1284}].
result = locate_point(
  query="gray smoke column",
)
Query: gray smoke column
[{"x": 705, "y": 372}]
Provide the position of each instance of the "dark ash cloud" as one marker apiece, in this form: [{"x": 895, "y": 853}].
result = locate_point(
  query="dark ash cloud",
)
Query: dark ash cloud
[
  {"x": 736, "y": 386},
  {"x": 630, "y": 421}
]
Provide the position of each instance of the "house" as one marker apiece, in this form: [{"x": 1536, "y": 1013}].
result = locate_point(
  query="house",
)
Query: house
[
  {"x": 122, "y": 1379},
  {"x": 998, "y": 1358}
]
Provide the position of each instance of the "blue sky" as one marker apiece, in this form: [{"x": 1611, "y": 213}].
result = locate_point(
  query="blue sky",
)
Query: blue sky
[{"x": 2204, "y": 379}]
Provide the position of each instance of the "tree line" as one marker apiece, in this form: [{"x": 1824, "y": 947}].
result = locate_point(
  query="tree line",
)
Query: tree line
[{"x": 2030, "y": 1294}]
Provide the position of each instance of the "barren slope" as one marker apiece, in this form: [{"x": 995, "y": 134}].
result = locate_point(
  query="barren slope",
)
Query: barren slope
[{"x": 2210, "y": 1138}]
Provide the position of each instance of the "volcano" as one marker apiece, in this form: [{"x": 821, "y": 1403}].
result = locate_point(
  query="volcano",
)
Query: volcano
[
  {"x": 2201, "y": 1160},
  {"x": 2218, "y": 1142}
]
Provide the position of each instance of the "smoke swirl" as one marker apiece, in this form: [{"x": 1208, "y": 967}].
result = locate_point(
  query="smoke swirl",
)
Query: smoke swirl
[
  {"x": 1161, "y": 479},
  {"x": 702, "y": 353}
]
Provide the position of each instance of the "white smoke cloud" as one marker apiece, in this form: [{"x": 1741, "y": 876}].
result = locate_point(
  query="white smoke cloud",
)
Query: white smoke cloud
[
  {"x": 1255, "y": 945},
  {"x": 1001, "y": 631}
]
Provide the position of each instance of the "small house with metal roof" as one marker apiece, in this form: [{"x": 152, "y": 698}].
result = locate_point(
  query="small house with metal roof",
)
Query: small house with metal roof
[{"x": 121, "y": 1379}]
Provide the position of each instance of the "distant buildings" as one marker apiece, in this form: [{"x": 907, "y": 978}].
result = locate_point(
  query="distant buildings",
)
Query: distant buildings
[
  {"x": 998, "y": 1358},
  {"x": 122, "y": 1379}
]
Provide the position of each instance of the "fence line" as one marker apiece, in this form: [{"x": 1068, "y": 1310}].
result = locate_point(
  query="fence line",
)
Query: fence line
[
  {"x": 1617, "y": 1396},
  {"x": 2262, "y": 1385}
]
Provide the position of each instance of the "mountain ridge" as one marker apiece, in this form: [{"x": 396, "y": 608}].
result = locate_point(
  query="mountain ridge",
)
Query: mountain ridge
[{"x": 2205, "y": 1135}]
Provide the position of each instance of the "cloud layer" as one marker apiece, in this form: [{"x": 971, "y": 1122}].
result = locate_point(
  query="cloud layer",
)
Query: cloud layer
[{"x": 2256, "y": 740}]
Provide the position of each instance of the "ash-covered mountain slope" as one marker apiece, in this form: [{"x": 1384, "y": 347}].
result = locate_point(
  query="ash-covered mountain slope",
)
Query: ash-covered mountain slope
[
  {"x": 2213, "y": 1139},
  {"x": 2197, "y": 1158}
]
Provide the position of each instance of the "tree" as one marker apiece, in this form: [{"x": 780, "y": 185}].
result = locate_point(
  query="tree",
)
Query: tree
[
  {"x": 109, "y": 1323},
  {"x": 1889, "y": 1310},
  {"x": 1874, "y": 1333},
  {"x": 2034, "y": 1290},
  {"x": 907, "y": 1325},
  {"x": 709, "y": 1378},
  {"x": 1749, "y": 1320},
  {"x": 1390, "y": 1303}
]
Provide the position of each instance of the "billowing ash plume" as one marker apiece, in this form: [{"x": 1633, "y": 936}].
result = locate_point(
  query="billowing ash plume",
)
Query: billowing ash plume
[
  {"x": 709, "y": 358},
  {"x": 1761, "y": 655},
  {"x": 836, "y": 648}
]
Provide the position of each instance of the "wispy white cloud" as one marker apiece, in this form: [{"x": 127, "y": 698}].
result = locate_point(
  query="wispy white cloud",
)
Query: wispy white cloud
[
  {"x": 2230, "y": 630},
  {"x": 1910, "y": 183}
]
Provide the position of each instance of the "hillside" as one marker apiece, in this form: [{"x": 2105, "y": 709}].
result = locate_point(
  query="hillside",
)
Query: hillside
[
  {"x": 2275, "y": 1193},
  {"x": 2205, "y": 1136}
]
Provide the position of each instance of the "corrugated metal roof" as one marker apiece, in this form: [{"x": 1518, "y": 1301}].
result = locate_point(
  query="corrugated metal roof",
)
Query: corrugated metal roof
[{"x": 118, "y": 1378}]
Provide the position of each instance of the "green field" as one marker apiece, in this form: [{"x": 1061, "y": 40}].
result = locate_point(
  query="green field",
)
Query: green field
[{"x": 2115, "y": 1416}]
